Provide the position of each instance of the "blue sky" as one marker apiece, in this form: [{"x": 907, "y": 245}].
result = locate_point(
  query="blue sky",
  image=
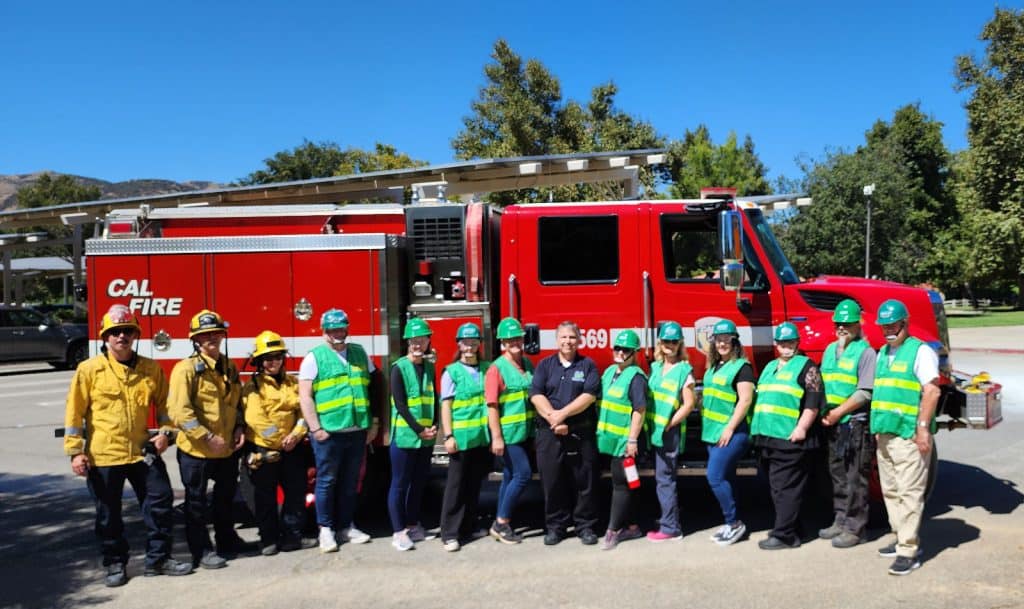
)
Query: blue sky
[{"x": 207, "y": 90}]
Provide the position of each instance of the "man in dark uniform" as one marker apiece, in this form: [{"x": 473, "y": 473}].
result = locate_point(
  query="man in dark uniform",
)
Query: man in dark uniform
[{"x": 564, "y": 387}]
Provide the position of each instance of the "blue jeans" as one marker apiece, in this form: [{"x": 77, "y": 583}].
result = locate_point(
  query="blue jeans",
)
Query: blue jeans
[
  {"x": 722, "y": 472},
  {"x": 338, "y": 460},
  {"x": 665, "y": 472},
  {"x": 514, "y": 478},
  {"x": 410, "y": 468}
]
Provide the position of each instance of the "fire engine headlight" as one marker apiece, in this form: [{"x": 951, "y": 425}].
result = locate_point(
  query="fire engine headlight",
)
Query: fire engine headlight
[
  {"x": 303, "y": 310},
  {"x": 162, "y": 341}
]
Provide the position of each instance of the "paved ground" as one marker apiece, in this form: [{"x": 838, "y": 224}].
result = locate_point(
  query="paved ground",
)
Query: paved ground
[{"x": 974, "y": 536}]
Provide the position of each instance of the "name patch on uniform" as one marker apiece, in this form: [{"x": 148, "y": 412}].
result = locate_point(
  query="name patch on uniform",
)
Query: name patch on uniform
[
  {"x": 578, "y": 376},
  {"x": 718, "y": 379},
  {"x": 899, "y": 367},
  {"x": 846, "y": 365},
  {"x": 615, "y": 392},
  {"x": 785, "y": 376},
  {"x": 668, "y": 385}
]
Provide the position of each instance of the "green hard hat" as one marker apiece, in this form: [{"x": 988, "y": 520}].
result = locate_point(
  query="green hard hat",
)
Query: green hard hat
[
  {"x": 468, "y": 330},
  {"x": 332, "y": 319},
  {"x": 891, "y": 312},
  {"x": 670, "y": 330},
  {"x": 847, "y": 312},
  {"x": 786, "y": 331},
  {"x": 627, "y": 339},
  {"x": 510, "y": 328},
  {"x": 724, "y": 327},
  {"x": 416, "y": 327}
]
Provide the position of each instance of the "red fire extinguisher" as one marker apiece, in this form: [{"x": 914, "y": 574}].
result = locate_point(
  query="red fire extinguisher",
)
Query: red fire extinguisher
[{"x": 632, "y": 476}]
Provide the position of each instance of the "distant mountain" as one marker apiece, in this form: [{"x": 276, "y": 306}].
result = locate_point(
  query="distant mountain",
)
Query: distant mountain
[{"x": 10, "y": 184}]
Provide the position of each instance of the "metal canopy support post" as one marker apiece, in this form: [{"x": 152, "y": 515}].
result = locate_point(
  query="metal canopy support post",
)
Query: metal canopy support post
[{"x": 8, "y": 277}]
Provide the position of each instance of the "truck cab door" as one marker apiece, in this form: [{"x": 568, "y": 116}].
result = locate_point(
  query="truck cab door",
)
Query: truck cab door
[
  {"x": 577, "y": 263},
  {"x": 685, "y": 263}
]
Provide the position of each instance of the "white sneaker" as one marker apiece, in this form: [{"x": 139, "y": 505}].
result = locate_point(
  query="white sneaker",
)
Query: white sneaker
[
  {"x": 401, "y": 541},
  {"x": 417, "y": 533},
  {"x": 327, "y": 541},
  {"x": 732, "y": 534},
  {"x": 353, "y": 535},
  {"x": 452, "y": 545},
  {"x": 718, "y": 532}
]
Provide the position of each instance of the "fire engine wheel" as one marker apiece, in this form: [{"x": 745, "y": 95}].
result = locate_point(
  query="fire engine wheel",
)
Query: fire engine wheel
[{"x": 875, "y": 487}]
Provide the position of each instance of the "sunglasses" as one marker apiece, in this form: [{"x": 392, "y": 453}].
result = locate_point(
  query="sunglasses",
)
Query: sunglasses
[
  {"x": 670, "y": 341},
  {"x": 121, "y": 332},
  {"x": 624, "y": 350}
]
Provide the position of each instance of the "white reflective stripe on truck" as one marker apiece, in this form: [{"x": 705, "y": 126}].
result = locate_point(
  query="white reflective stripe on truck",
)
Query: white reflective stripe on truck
[
  {"x": 597, "y": 338},
  {"x": 298, "y": 346}
]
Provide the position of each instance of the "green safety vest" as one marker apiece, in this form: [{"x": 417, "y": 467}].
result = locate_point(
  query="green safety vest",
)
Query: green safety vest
[
  {"x": 719, "y": 400},
  {"x": 469, "y": 410},
  {"x": 341, "y": 391},
  {"x": 897, "y": 395},
  {"x": 419, "y": 396},
  {"x": 840, "y": 375},
  {"x": 615, "y": 411},
  {"x": 664, "y": 391},
  {"x": 516, "y": 412},
  {"x": 777, "y": 409}
]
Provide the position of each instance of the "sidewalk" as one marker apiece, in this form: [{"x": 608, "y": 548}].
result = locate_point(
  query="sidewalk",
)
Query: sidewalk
[{"x": 995, "y": 339}]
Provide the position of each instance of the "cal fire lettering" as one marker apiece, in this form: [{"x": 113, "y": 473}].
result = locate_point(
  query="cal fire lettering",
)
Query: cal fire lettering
[{"x": 142, "y": 297}]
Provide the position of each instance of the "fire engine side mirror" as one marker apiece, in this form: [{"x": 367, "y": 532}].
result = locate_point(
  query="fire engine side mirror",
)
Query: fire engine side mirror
[
  {"x": 531, "y": 342},
  {"x": 730, "y": 235}
]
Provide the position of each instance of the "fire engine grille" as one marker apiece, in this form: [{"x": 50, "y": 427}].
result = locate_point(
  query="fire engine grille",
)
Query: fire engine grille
[
  {"x": 824, "y": 301},
  {"x": 437, "y": 238}
]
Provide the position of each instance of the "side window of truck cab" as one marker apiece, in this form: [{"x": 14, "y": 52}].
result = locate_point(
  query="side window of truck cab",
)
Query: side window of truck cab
[
  {"x": 578, "y": 249},
  {"x": 689, "y": 247}
]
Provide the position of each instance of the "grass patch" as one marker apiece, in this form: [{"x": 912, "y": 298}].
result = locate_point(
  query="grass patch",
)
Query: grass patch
[{"x": 996, "y": 316}]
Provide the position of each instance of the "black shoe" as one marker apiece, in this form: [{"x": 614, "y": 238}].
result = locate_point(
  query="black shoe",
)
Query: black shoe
[
  {"x": 887, "y": 551},
  {"x": 116, "y": 575},
  {"x": 211, "y": 560},
  {"x": 236, "y": 545},
  {"x": 553, "y": 538},
  {"x": 168, "y": 566},
  {"x": 846, "y": 540},
  {"x": 587, "y": 537},
  {"x": 303, "y": 543},
  {"x": 269, "y": 549},
  {"x": 774, "y": 543},
  {"x": 904, "y": 565},
  {"x": 503, "y": 532}
]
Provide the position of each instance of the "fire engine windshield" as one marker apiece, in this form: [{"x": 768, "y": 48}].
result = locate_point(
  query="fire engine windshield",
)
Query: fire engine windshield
[{"x": 771, "y": 247}]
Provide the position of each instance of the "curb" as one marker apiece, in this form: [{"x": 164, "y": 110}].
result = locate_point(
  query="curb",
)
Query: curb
[{"x": 989, "y": 350}]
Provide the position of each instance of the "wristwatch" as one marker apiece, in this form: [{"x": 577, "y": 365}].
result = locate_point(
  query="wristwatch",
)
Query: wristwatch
[
  {"x": 923, "y": 424},
  {"x": 448, "y": 437}
]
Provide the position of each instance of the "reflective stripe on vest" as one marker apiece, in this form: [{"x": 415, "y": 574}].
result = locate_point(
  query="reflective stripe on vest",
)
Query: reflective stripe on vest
[
  {"x": 665, "y": 393},
  {"x": 897, "y": 394},
  {"x": 615, "y": 411},
  {"x": 469, "y": 410},
  {"x": 719, "y": 400},
  {"x": 840, "y": 375},
  {"x": 341, "y": 390},
  {"x": 419, "y": 396},
  {"x": 777, "y": 409},
  {"x": 516, "y": 412}
]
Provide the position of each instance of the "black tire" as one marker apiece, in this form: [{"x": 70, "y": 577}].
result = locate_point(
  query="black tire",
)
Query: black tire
[{"x": 78, "y": 352}]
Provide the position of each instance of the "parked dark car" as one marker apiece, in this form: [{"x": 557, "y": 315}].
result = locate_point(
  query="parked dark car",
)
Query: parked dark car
[{"x": 28, "y": 334}]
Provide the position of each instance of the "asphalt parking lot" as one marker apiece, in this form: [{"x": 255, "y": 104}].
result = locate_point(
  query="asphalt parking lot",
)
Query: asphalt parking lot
[{"x": 973, "y": 536}]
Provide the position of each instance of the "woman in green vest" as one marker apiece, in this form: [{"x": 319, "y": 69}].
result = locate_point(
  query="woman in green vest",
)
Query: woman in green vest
[
  {"x": 728, "y": 393},
  {"x": 620, "y": 419},
  {"x": 466, "y": 438},
  {"x": 510, "y": 419},
  {"x": 672, "y": 398},
  {"x": 413, "y": 429},
  {"x": 790, "y": 393}
]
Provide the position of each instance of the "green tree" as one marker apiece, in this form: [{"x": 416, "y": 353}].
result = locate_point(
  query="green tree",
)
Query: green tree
[
  {"x": 520, "y": 112},
  {"x": 696, "y": 162},
  {"x": 912, "y": 212},
  {"x": 992, "y": 197},
  {"x": 321, "y": 160},
  {"x": 49, "y": 190}
]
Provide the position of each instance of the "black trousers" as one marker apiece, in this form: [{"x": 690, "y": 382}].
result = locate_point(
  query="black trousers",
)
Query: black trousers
[
  {"x": 787, "y": 469},
  {"x": 621, "y": 512},
  {"x": 153, "y": 491},
  {"x": 196, "y": 473},
  {"x": 569, "y": 476},
  {"x": 851, "y": 448},
  {"x": 290, "y": 474},
  {"x": 466, "y": 472}
]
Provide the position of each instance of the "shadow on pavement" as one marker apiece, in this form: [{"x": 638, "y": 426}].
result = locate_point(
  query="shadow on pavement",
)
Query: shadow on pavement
[
  {"x": 49, "y": 556},
  {"x": 968, "y": 486}
]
